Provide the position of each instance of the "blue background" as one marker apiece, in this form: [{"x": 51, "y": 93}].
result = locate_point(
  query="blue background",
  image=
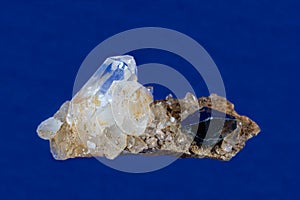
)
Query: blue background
[{"x": 255, "y": 44}]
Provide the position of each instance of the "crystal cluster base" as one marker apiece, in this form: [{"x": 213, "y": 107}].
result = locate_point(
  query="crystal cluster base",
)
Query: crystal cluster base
[{"x": 113, "y": 114}]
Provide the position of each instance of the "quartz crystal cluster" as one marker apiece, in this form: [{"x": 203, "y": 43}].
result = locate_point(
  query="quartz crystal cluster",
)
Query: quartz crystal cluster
[{"x": 113, "y": 114}]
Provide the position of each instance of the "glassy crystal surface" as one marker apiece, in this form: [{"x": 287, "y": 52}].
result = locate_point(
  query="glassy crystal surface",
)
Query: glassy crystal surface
[
  {"x": 208, "y": 126},
  {"x": 110, "y": 105},
  {"x": 113, "y": 114}
]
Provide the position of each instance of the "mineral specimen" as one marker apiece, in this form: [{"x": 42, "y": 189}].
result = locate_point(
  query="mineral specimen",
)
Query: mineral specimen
[{"x": 113, "y": 114}]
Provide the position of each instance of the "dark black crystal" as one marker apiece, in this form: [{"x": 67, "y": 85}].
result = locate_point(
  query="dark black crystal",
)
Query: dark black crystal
[{"x": 208, "y": 126}]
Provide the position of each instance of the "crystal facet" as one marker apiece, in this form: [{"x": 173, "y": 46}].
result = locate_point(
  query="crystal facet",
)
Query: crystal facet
[{"x": 113, "y": 114}]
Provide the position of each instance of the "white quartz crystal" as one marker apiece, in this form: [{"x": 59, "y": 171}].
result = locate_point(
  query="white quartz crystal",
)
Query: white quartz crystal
[
  {"x": 48, "y": 128},
  {"x": 110, "y": 106},
  {"x": 130, "y": 106},
  {"x": 189, "y": 105}
]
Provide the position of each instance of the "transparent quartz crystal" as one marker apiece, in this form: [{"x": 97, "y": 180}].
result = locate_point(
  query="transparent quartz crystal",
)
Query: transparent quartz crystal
[{"x": 110, "y": 106}]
